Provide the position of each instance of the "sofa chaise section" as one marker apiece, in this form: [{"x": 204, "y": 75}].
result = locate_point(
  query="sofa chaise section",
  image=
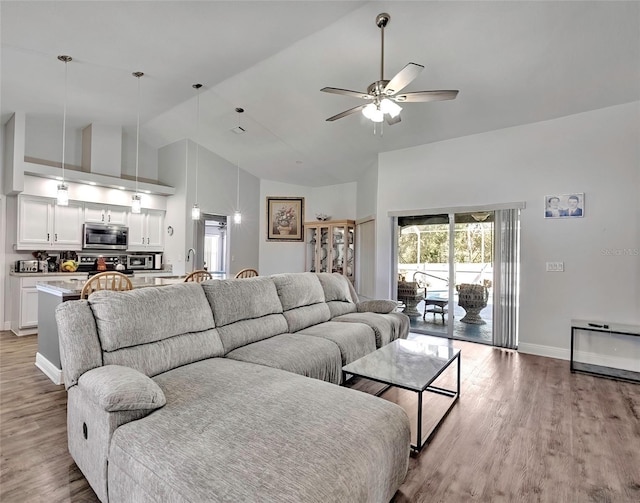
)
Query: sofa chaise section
[
  {"x": 150, "y": 331},
  {"x": 252, "y": 433}
]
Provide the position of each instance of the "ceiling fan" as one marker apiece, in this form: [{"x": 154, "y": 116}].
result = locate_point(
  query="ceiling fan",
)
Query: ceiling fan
[{"x": 384, "y": 95}]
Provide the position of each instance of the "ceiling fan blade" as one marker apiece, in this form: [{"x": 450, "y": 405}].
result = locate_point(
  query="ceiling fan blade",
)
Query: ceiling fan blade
[
  {"x": 392, "y": 120},
  {"x": 403, "y": 78},
  {"x": 425, "y": 96},
  {"x": 346, "y": 92},
  {"x": 346, "y": 112}
]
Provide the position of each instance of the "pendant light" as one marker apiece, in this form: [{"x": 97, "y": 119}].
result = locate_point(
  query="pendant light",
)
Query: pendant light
[
  {"x": 237, "y": 216},
  {"x": 62, "y": 198},
  {"x": 136, "y": 199},
  {"x": 195, "y": 210}
]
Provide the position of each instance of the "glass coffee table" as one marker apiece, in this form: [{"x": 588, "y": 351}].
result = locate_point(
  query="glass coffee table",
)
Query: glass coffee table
[{"x": 412, "y": 365}]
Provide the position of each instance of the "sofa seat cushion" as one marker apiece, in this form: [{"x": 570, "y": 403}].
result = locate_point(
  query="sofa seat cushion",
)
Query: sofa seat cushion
[
  {"x": 300, "y": 354},
  {"x": 384, "y": 330},
  {"x": 355, "y": 340},
  {"x": 232, "y": 431}
]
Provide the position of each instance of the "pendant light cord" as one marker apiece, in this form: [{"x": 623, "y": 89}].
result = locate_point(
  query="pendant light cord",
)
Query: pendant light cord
[
  {"x": 66, "y": 60},
  {"x": 238, "y": 189},
  {"x": 197, "y": 138},
  {"x": 197, "y": 88},
  {"x": 137, "y": 75}
]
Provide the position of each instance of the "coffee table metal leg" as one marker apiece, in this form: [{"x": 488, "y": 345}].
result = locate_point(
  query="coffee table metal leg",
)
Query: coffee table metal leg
[{"x": 441, "y": 391}]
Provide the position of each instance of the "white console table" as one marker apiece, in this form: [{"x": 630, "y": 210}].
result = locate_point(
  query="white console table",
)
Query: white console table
[{"x": 606, "y": 329}]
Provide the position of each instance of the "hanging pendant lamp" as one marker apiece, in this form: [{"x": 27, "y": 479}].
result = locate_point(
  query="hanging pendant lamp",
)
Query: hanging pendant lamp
[
  {"x": 195, "y": 210},
  {"x": 237, "y": 216},
  {"x": 136, "y": 199},
  {"x": 62, "y": 198}
]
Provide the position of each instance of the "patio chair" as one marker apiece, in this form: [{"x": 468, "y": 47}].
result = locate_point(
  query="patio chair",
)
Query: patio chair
[{"x": 473, "y": 299}]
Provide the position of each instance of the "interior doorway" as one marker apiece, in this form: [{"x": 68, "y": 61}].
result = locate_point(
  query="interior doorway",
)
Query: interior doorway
[
  {"x": 211, "y": 243},
  {"x": 445, "y": 274}
]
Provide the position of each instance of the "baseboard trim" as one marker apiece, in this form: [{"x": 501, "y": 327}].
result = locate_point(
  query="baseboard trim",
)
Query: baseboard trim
[
  {"x": 49, "y": 369},
  {"x": 540, "y": 350},
  {"x": 615, "y": 362}
]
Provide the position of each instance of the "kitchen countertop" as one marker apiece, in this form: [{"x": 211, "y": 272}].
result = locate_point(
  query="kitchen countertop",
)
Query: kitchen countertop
[{"x": 70, "y": 286}]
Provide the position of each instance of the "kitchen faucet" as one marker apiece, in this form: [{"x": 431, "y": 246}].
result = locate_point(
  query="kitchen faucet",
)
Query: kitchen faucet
[{"x": 193, "y": 265}]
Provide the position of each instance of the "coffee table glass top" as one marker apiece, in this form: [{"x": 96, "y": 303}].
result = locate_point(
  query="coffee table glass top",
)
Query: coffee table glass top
[{"x": 410, "y": 364}]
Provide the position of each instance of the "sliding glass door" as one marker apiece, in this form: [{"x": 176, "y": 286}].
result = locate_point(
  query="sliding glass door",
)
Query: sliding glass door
[{"x": 445, "y": 274}]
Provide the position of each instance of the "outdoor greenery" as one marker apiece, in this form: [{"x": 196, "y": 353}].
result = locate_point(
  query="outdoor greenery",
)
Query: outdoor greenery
[{"x": 473, "y": 243}]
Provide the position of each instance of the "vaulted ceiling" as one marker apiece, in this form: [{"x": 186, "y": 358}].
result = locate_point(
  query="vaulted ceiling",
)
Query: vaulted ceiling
[{"x": 513, "y": 62}]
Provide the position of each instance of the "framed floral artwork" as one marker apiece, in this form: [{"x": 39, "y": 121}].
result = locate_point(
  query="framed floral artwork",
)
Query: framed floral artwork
[{"x": 285, "y": 217}]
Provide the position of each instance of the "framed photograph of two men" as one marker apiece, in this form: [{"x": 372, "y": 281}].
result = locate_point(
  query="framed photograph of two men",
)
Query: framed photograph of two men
[{"x": 564, "y": 205}]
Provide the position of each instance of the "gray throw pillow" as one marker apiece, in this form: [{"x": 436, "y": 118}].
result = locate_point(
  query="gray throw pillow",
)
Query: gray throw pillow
[
  {"x": 377, "y": 306},
  {"x": 114, "y": 388}
]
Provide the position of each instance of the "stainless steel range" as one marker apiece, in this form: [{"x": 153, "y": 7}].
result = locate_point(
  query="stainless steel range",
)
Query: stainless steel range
[{"x": 87, "y": 262}]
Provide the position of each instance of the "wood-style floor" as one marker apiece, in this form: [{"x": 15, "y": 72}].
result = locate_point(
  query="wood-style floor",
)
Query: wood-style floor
[{"x": 524, "y": 430}]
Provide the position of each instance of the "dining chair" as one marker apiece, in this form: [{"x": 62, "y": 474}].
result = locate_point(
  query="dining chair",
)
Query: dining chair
[
  {"x": 198, "y": 276},
  {"x": 109, "y": 280},
  {"x": 246, "y": 273}
]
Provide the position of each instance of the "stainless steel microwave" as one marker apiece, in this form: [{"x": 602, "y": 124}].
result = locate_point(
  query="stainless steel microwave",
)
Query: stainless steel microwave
[{"x": 105, "y": 237}]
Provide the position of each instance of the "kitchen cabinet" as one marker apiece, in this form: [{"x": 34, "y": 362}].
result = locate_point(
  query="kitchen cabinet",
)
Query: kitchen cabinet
[
  {"x": 146, "y": 230},
  {"x": 42, "y": 224},
  {"x": 330, "y": 247},
  {"x": 101, "y": 214},
  {"x": 24, "y": 301}
]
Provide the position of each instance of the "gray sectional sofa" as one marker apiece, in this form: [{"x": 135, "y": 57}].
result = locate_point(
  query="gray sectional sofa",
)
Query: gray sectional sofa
[{"x": 227, "y": 391}]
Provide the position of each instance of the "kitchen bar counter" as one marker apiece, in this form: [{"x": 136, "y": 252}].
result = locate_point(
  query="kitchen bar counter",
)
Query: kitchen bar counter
[{"x": 52, "y": 293}]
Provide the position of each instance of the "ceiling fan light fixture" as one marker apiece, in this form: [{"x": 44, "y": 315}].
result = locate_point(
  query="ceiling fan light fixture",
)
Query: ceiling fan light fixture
[
  {"x": 369, "y": 110},
  {"x": 389, "y": 107}
]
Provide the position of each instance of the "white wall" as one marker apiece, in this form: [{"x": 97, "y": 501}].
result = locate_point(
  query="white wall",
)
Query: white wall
[
  {"x": 216, "y": 195},
  {"x": 367, "y": 193},
  {"x": 337, "y": 201},
  {"x": 596, "y": 153},
  {"x": 44, "y": 141}
]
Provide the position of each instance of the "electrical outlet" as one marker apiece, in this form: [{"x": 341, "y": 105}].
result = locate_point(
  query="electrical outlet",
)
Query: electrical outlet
[{"x": 555, "y": 266}]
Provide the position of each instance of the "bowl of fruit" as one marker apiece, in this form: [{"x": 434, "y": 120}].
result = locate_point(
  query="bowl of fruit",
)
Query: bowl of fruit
[{"x": 69, "y": 266}]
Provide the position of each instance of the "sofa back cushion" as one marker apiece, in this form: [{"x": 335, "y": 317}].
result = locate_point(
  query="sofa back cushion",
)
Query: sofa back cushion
[
  {"x": 245, "y": 310},
  {"x": 337, "y": 294},
  {"x": 302, "y": 299},
  {"x": 234, "y": 300},
  {"x": 155, "y": 329}
]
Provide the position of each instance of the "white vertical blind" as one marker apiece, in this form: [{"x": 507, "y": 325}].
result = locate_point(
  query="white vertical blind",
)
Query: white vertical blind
[{"x": 506, "y": 278}]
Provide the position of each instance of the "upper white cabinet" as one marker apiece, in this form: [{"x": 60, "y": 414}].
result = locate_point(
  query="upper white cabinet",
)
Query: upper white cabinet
[
  {"x": 42, "y": 224},
  {"x": 146, "y": 230},
  {"x": 99, "y": 213}
]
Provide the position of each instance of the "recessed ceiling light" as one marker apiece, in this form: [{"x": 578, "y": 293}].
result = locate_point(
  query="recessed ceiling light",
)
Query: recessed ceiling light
[
  {"x": 121, "y": 188},
  {"x": 93, "y": 183},
  {"x": 147, "y": 192},
  {"x": 59, "y": 178}
]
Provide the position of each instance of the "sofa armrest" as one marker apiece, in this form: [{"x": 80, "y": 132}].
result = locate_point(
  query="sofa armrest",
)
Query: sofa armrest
[
  {"x": 115, "y": 388},
  {"x": 377, "y": 306}
]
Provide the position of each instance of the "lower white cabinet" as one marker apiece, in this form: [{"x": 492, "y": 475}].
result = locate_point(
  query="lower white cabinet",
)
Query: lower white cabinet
[{"x": 24, "y": 300}]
